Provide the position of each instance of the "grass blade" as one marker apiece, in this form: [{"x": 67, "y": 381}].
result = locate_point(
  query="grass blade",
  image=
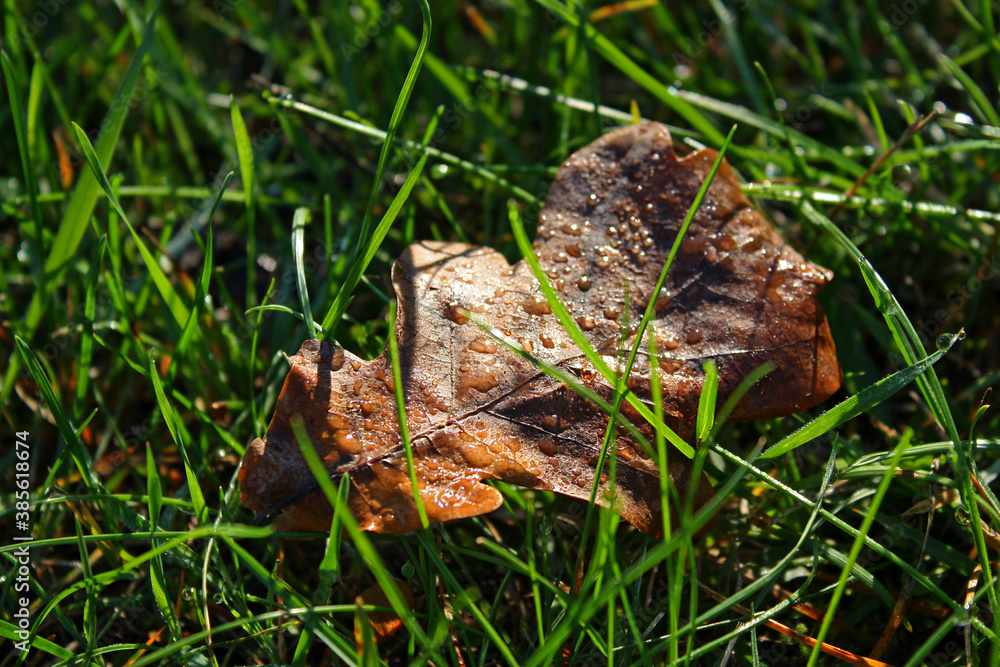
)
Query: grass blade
[
  {"x": 244, "y": 151},
  {"x": 864, "y": 400},
  {"x": 299, "y": 221},
  {"x": 166, "y": 290},
  {"x": 397, "y": 115},
  {"x": 339, "y": 305}
]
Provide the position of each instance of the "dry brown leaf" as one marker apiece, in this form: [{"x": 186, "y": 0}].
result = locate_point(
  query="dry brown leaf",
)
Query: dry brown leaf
[
  {"x": 737, "y": 294},
  {"x": 382, "y": 624}
]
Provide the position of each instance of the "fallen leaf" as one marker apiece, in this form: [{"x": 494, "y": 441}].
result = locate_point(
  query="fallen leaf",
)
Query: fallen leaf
[
  {"x": 380, "y": 625},
  {"x": 737, "y": 294}
]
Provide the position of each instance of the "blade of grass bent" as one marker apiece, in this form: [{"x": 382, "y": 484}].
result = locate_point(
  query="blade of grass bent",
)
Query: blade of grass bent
[
  {"x": 171, "y": 420},
  {"x": 170, "y": 297},
  {"x": 850, "y": 408},
  {"x": 207, "y": 268},
  {"x": 77, "y": 451},
  {"x": 299, "y": 221}
]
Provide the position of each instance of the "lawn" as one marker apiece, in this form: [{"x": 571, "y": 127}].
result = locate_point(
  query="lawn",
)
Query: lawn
[{"x": 190, "y": 192}]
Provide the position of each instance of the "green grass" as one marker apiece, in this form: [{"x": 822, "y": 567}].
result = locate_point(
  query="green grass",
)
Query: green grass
[{"x": 148, "y": 296}]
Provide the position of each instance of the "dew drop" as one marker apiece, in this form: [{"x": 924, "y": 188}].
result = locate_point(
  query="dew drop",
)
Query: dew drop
[
  {"x": 574, "y": 250},
  {"x": 694, "y": 337},
  {"x": 602, "y": 262},
  {"x": 346, "y": 442},
  {"x": 561, "y": 257},
  {"x": 547, "y": 341},
  {"x": 586, "y": 323},
  {"x": 483, "y": 345},
  {"x": 583, "y": 283},
  {"x": 548, "y": 447},
  {"x": 536, "y": 305},
  {"x": 611, "y": 313},
  {"x": 668, "y": 344},
  {"x": 945, "y": 341}
]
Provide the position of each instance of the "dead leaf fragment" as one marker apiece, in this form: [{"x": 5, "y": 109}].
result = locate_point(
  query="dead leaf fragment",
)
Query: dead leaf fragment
[
  {"x": 737, "y": 294},
  {"x": 380, "y": 624}
]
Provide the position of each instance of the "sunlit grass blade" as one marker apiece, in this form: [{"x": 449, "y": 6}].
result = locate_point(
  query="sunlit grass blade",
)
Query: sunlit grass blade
[
  {"x": 170, "y": 418},
  {"x": 987, "y": 112},
  {"x": 573, "y": 329},
  {"x": 734, "y": 398},
  {"x": 299, "y": 222},
  {"x": 329, "y": 567},
  {"x": 170, "y": 297},
  {"x": 201, "y": 292},
  {"x": 397, "y": 115},
  {"x": 343, "y": 297},
  {"x": 581, "y": 613},
  {"x": 706, "y": 403},
  {"x": 855, "y": 405},
  {"x": 244, "y": 151},
  {"x": 608, "y": 50}
]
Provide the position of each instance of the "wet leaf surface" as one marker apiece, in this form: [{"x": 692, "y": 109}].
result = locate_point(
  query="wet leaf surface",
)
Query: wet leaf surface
[{"x": 737, "y": 294}]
